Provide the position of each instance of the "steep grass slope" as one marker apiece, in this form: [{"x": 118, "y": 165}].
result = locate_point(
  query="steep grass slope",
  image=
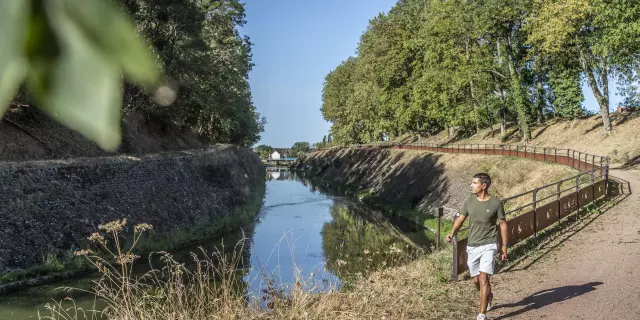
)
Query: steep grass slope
[{"x": 622, "y": 146}]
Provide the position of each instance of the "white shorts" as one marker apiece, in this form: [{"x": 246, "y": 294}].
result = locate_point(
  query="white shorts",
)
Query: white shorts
[{"x": 480, "y": 259}]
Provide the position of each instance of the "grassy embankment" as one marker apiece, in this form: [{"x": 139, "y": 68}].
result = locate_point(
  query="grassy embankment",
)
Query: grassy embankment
[
  {"x": 413, "y": 184},
  {"x": 585, "y": 135}
]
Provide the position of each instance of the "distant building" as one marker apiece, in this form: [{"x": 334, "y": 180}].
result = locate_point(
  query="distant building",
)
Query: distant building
[
  {"x": 621, "y": 109},
  {"x": 278, "y": 153}
]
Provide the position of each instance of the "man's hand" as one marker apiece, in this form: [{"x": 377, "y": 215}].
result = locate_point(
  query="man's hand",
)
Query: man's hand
[
  {"x": 504, "y": 255},
  {"x": 449, "y": 237}
]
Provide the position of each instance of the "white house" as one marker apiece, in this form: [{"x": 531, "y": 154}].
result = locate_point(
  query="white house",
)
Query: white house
[{"x": 275, "y": 155}]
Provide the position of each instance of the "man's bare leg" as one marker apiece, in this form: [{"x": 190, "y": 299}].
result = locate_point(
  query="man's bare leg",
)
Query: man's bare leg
[
  {"x": 485, "y": 291},
  {"x": 476, "y": 281}
]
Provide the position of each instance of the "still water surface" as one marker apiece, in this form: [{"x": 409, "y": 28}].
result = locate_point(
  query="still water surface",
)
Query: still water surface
[{"x": 301, "y": 230}]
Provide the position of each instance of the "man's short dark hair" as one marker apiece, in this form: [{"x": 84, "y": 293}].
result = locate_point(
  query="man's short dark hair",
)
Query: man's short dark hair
[{"x": 483, "y": 178}]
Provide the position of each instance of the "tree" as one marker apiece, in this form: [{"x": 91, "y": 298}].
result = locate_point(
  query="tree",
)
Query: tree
[
  {"x": 430, "y": 65},
  {"x": 602, "y": 34},
  {"x": 299, "y": 148},
  {"x": 203, "y": 52},
  {"x": 264, "y": 151},
  {"x": 565, "y": 82}
]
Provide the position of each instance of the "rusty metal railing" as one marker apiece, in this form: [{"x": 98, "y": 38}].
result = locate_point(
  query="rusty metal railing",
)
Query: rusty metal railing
[{"x": 532, "y": 211}]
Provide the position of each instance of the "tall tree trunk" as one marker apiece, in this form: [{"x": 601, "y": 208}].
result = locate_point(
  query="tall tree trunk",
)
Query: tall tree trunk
[
  {"x": 473, "y": 99},
  {"x": 540, "y": 97},
  {"x": 475, "y": 107},
  {"x": 601, "y": 97},
  {"x": 491, "y": 119},
  {"x": 503, "y": 114},
  {"x": 503, "y": 105},
  {"x": 518, "y": 95}
]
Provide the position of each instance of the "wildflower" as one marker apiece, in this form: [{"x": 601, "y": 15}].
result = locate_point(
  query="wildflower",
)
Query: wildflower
[
  {"x": 113, "y": 226},
  {"x": 126, "y": 258},
  {"x": 142, "y": 227},
  {"x": 83, "y": 252},
  {"x": 366, "y": 251},
  {"x": 97, "y": 237}
]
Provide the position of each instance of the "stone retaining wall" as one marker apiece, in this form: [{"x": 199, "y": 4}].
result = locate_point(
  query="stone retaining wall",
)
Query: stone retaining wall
[{"x": 52, "y": 206}]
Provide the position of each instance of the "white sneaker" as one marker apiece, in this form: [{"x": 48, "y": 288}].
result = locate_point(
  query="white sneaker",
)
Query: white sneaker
[{"x": 482, "y": 317}]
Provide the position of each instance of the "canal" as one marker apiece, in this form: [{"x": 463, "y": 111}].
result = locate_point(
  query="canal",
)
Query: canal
[{"x": 302, "y": 232}]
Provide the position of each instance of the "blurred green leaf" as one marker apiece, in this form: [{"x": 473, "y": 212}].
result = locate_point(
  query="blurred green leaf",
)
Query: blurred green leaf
[
  {"x": 42, "y": 50},
  {"x": 102, "y": 23},
  {"x": 81, "y": 87},
  {"x": 13, "y": 24}
]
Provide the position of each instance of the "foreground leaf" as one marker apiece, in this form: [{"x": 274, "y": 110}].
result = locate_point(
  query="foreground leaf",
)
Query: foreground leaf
[
  {"x": 83, "y": 88},
  {"x": 109, "y": 30},
  {"x": 13, "y": 23}
]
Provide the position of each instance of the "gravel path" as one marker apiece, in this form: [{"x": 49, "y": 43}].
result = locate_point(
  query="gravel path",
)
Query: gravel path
[{"x": 591, "y": 273}]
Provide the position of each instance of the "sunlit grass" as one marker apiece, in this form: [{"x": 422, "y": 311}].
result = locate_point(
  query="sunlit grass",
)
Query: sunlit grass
[{"x": 210, "y": 286}]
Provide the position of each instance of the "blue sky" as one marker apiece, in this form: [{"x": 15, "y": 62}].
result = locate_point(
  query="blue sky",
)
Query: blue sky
[{"x": 295, "y": 44}]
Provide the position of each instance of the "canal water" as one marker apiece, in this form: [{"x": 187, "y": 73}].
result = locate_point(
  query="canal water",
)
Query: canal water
[{"x": 302, "y": 232}]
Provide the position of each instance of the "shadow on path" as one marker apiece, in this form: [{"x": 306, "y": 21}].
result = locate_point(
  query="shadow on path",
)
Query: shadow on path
[
  {"x": 547, "y": 297},
  {"x": 554, "y": 236}
]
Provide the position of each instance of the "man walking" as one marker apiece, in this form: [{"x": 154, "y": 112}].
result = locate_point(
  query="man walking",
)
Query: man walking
[{"x": 483, "y": 211}]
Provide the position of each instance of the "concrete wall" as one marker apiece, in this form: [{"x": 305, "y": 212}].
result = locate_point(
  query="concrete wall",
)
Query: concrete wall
[{"x": 52, "y": 206}]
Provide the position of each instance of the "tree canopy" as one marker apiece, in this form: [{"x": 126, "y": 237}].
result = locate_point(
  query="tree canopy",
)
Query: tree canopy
[
  {"x": 300, "y": 148},
  {"x": 263, "y": 150},
  {"x": 68, "y": 58},
  {"x": 427, "y": 66}
]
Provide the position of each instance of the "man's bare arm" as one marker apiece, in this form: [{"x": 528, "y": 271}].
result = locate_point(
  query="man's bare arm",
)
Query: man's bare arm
[
  {"x": 456, "y": 226},
  {"x": 504, "y": 235}
]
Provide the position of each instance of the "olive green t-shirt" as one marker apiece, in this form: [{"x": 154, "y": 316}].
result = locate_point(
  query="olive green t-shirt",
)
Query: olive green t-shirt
[{"x": 482, "y": 216}]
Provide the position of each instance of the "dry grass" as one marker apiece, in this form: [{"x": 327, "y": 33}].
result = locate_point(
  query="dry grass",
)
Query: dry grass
[
  {"x": 586, "y": 135},
  {"x": 211, "y": 288}
]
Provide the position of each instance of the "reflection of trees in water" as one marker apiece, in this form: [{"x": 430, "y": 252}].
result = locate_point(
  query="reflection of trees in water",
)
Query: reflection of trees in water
[{"x": 359, "y": 240}]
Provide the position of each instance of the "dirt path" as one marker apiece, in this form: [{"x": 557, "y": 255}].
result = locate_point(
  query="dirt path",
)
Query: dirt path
[{"x": 592, "y": 272}]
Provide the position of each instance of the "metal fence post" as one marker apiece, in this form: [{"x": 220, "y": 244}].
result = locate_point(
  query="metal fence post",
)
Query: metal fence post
[
  {"x": 535, "y": 222},
  {"x": 578, "y": 191},
  {"x": 440, "y": 213},
  {"x": 593, "y": 185},
  {"x": 606, "y": 178},
  {"x": 454, "y": 261},
  {"x": 558, "y": 196}
]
